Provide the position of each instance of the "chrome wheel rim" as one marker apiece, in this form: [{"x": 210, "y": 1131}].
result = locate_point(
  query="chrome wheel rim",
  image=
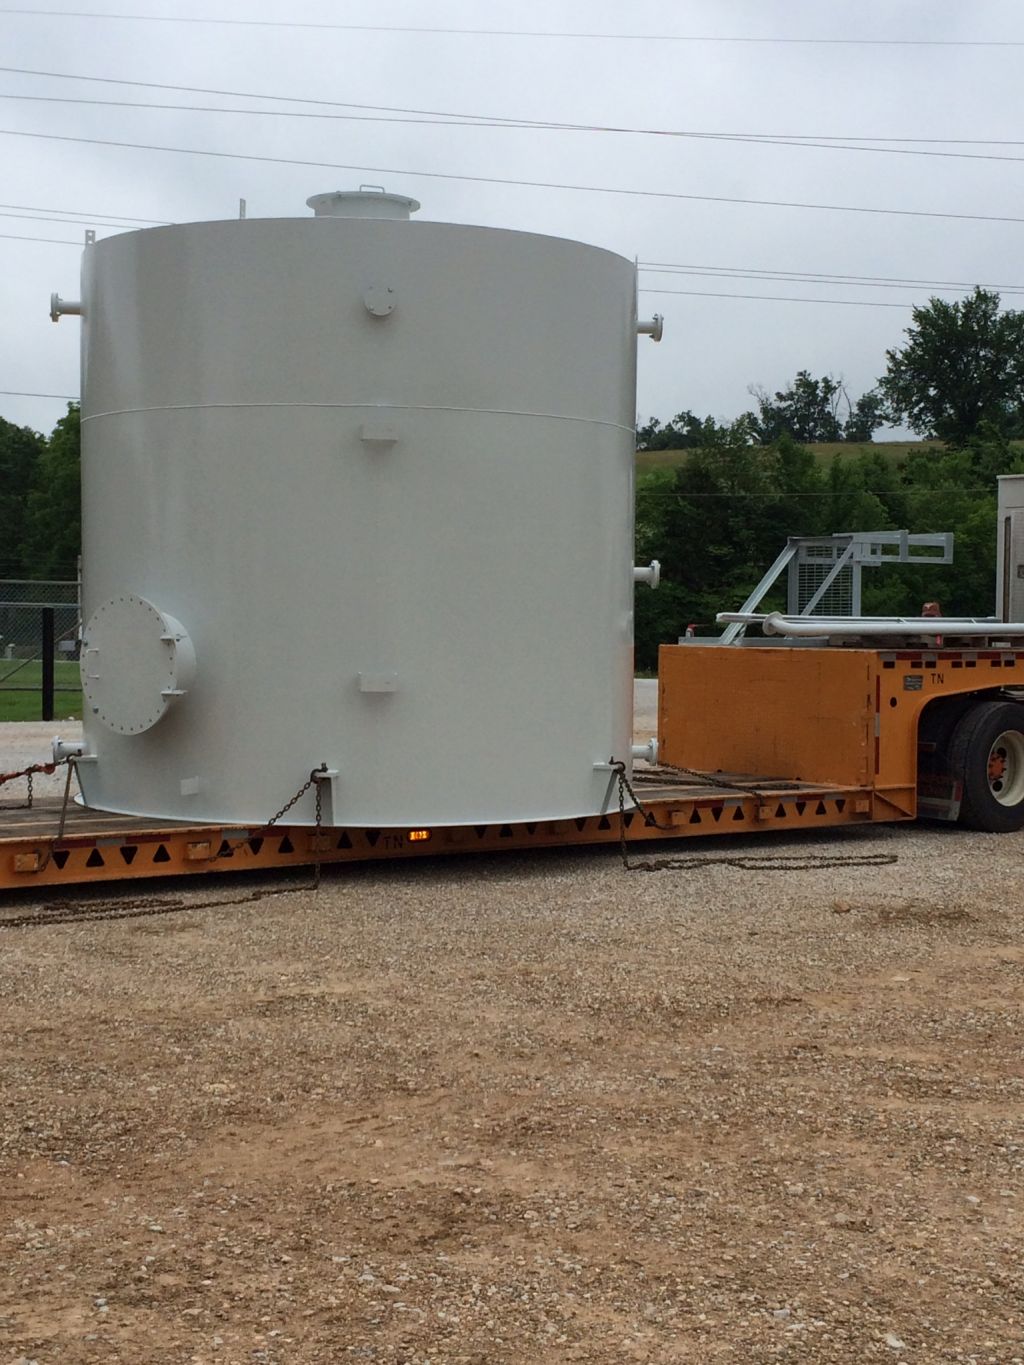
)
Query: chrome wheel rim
[{"x": 1006, "y": 768}]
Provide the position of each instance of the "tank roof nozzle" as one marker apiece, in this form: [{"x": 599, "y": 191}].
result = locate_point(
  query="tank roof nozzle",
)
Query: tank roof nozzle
[{"x": 368, "y": 201}]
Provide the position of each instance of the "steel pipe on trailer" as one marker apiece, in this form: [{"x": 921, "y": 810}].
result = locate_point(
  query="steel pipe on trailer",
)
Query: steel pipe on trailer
[{"x": 803, "y": 627}]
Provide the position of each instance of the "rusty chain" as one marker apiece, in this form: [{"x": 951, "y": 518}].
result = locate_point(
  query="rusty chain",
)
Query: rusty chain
[
  {"x": 137, "y": 909},
  {"x": 29, "y": 773},
  {"x": 310, "y": 781},
  {"x": 758, "y": 862},
  {"x": 70, "y": 762},
  {"x": 314, "y": 780}
]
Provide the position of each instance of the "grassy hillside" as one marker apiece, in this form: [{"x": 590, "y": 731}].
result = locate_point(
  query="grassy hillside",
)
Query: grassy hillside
[{"x": 646, "y": 460}]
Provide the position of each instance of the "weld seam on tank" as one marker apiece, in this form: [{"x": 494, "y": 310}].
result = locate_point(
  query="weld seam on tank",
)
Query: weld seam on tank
[{"x": 384, "y": 407}]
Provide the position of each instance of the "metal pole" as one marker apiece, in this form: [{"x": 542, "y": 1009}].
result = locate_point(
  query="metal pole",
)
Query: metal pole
[{"x": 48, "y": 647}]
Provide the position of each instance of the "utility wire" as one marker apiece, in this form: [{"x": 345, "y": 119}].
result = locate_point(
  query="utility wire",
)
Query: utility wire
[
  {"x": 18, "y": 393},
  {"x": 81, "y": 213},
  {"x": 486, "y": 120},
  {"x": 514, "y": 33},
  {"x": 780, "y": 298},
  {"x": 439, "y": 120},
  {"x": 765, "y": 277},
  {"x": 480, "y": 121},
  {"x": 68, "y": 221},
  {"x": 521, "y": 184},
  {"x": 821, "y": 276},
  {"x": 54, "y": 241}
]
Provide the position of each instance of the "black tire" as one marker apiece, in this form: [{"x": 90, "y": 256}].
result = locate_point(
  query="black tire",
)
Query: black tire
[{"x": 986, "y": 754}]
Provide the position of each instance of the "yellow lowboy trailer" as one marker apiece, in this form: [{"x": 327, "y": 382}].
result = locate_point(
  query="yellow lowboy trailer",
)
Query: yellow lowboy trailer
[
  {"x": 751, "y": 740},
  {"x": 924, "y": 731}
]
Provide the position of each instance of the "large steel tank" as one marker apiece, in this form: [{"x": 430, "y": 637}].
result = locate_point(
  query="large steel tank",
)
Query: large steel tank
[{"x": 357, "y": 490}]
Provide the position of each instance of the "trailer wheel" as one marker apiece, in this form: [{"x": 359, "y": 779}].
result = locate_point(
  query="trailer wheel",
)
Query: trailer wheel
[{"x": 986, "y": 754}]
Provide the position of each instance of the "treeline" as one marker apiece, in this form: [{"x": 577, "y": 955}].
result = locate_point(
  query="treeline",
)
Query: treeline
[
  {"x": 810, "y": 410},
  {"x": 718, "y": 517},
  {"x": 40, "y": 501}
]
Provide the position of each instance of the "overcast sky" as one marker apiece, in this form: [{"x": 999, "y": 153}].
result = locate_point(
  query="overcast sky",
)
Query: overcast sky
[{"x": 930, "y": 84}]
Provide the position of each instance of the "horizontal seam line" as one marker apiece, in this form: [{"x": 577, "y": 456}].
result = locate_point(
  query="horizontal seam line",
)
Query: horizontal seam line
[{"x": 369, "y": 407}]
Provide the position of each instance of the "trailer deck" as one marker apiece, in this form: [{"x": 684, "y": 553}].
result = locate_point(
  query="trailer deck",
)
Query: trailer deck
[
  {"x": 100, "y": 847},
  {"x": 877, "y": 729}
]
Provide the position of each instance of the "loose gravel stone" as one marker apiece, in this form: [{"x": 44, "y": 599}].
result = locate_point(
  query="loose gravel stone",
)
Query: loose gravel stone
[{"x": 527, "y": 1108}]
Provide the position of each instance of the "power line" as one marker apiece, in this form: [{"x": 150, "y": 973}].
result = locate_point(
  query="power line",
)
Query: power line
[
  {"x": 68, "y": 222},
  {"x": 485, "y": 120},
  {"x": 295, "y": 99},
  {"x": 669, "y": 268},
  {"x": 520, "y": 184},
  {"x": 18, "y": 393},
  {"x": 834, "y": 145},
  {"x": 55, "y": 241},
  {"x": 439, "y": 120},
  {"x": 780, "y": 298},
  {"x": 514, "y": 33},
  {"x": 444, "y": 120},
  {"x": 320, "y": 103},
  {"x": 776, "y": 277},
  {"x": 81, "y": 213}
]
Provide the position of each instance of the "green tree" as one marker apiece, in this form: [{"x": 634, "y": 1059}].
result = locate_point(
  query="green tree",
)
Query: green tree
[
  {"x": 961, "y": 371},
  {"x": 853, "y": 502},
  {"x": 865, "y": 417},
  {"x": 716, "y": 523},
  {"x": 20, "y": 452},
  {"x": 811, "y": 410},
  {"x": 657, "y": 615},
  {"x": 807, "y": 411},
  {"x": 54, "y": 513},
  {"x": 718, "y": 520},
  {"x": 682, "y": 433}
]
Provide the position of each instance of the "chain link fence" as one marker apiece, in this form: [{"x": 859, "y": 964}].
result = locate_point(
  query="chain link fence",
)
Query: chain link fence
[{"x": 40, "y": 635}]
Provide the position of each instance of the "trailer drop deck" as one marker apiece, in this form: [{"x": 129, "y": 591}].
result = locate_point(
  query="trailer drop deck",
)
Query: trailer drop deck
[
  {"x": 887, "y": 734},
  {"x": 98, "y": 847}
]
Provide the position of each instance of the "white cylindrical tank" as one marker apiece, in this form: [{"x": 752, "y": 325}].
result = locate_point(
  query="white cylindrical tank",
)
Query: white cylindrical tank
[
  {"x": 357, "y": 490},
  {"x": 1010, "y": 549}
]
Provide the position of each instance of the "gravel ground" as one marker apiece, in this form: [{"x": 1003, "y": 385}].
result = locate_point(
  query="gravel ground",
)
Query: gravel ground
[
  {"x": 526, "y": 1109},
  {"x": 25, "y": 742}
]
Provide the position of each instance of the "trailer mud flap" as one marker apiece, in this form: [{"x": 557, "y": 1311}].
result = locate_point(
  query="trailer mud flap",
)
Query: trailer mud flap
[{"x": 938, "y": 797}]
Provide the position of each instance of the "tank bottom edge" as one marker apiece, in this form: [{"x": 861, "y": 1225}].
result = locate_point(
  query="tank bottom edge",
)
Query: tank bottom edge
[{"x": 205, "y": 821}]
